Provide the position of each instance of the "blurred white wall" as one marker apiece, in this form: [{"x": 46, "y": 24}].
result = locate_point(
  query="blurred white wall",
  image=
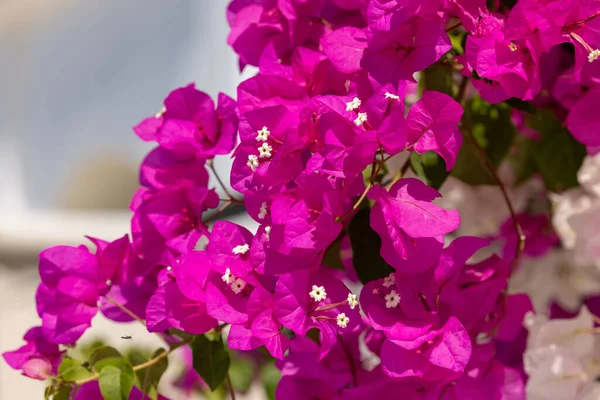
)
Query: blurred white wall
[{"x": 75, "y": 76}]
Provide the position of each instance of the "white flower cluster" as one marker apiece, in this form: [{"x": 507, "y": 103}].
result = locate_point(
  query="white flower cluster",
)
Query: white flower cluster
[{"x": 562, "y": 358}]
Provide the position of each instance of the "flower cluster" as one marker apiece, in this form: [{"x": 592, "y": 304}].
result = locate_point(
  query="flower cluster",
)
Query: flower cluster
[{"x": 409, "y": 307}]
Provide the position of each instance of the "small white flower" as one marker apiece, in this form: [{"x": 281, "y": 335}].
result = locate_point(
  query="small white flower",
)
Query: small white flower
[
  {"x": 238, "y": 285},
  {"x": 240, "y": 249},
  {"x": 342, "y": 320},
  {"x": 389, "y": 280},
  {"x": 352, "y": 302},
  {"x": 267, "y": 232},
  {"x": 360, "y": 119},
  {"x": 353, "y": 105},
  {"x": 389, "y": 95},
  {"x": 392, "y": 299},
  {"x": 594, "y": 54},
  {"x": 265, "y": 150},
  {"x": 160, "y": 113},
  {"x": 108, "y": 282},
  {"x": 252, "y": 162},
  {"x": 227, "y": 276},
  {"x": 169, "y": 269},
  {"x": 318, "y": 293},
  {"x": 263, "y": 134},
  {"x": 263, "y": 210}
]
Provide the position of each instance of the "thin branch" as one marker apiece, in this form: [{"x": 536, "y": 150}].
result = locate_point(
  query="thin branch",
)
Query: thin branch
[
  {"x": 138, "y": 367},
  {"x": 214, "y": 171},
  {"x": 219, "y": 211},
  {"x": 134, "y": 316},
  {"x": 513, "y": 215},
  {"x": 454, "y": 27},
  {"x": 230, "y": 387},
  {"x": 357, "y": 204}
]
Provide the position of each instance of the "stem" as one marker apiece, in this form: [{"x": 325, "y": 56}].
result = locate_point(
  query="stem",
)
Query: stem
[
  {"x": 488, "y": 164},
  {"x": 405, "y": 167},
  {"x": 230, "y": 387},
  {"x": 348, "y": 358},
  {"x": 454, "y": 27},
  {"x": 357, "y": 204},
  {"x": 214, "y": 171},
  {"x": 219, "y": 211},
  {"x": 139, "y": 367}
]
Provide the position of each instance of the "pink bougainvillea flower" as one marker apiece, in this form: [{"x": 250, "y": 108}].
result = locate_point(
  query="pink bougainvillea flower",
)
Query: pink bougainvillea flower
[
  {"x": 396, "y": 54},
  {"x": 170, "y": 221},
  {"x": 306, "y": 300},
  {"x": 163, "y": 168},
  {"x": 190, "y": 125},
  {"x": 72, "y": 282},
  {"x": 442, "y": 358},
  {"x": 432, "y": 125},
  {"x": 405, "y": 214},
  {"x": 38, "y": 358}
]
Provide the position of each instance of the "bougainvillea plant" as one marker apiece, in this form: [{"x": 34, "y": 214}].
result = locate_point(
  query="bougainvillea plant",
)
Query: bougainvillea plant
[{"x": 424, "y": 178}]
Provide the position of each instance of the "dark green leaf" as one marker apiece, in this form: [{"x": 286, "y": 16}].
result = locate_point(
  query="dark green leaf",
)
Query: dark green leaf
[
  {"x": 366, "y": 245},
  {"x": 49, "y": 392},
  {"x": 210, "y": 360},
  {"x": 72, "y": 370},
  {"x": 430, "y": 168},
  {"x": 110, "y": 383},
  {"x": 557, "y": 155},
  {"x": 494, "y": 131},
  {"x": 332, "y": 256},
  {"x": 127, "y": 377},
  {"x": 521, "y": 105},
  {"x": 63, "y": 393},
  {"x": 521, "y": 158},
  {"x": 438, "y": 78}
]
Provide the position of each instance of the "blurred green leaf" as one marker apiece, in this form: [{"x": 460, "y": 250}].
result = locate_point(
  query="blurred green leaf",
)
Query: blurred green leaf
[
  {"x": 127, "y": 378},
  {"x": 72, "y": 370},
  {"x": 105, "y": 356},
  {"x": 366, "y": 245},
  {"x": 241, "y": 373},
  {"x": 557, "y": 155},
  {"x": 494, "y": 131},
  {"x": 270, "y": 378},
  {"x": 429, "y": 167},
  {"x": 439, "y": 78},
  {"x": 110, "y": 383},
  {"x": 210, "y": 360}
]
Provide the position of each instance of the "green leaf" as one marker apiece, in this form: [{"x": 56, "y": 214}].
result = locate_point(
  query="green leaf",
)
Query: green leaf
[
  {"x": 557, "y": 155},
  {"x": 102, "y": 353},
  {"x": 49, "y": 391},
  {"x": 521, "y": 105},
  {"x": 105, "y": 356},
  {"x": 110, "y": 383},
  {"x": 148, "y": 378},
  {"x": 429, "y": 167},
  {"x": 210, "y": 360},
  {"x": 494, "y": 131},
  {"x": 72, "y": 370},
  {"x": 366, "y": 245},
  {"x": 127, "y": 378}
]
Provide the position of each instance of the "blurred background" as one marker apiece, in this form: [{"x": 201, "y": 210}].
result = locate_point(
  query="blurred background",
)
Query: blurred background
[{"x": 75, "y": 77}]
